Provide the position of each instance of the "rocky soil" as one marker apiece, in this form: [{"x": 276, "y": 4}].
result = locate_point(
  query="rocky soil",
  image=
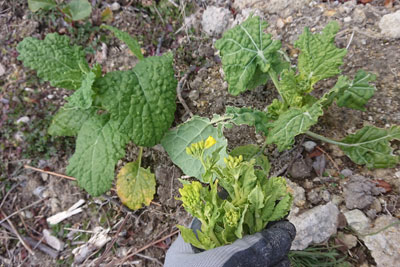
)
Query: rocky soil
[{"x": 337, "y": 203}]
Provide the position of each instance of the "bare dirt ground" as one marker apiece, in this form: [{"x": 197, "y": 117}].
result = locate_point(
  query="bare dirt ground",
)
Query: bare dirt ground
[{"x": 27, "y": 105}]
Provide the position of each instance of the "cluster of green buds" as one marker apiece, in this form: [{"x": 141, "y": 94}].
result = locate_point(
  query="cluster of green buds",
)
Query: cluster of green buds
[
  {"x": 197, "y": 149},
  {"x": 190, "y": 195},
  {"x": 232, "y": 214},
  {"x": 233, "y": 162}
]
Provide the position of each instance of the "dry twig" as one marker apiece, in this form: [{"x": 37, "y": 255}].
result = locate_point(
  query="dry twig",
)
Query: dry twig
[
  {"x": 8, "y": 192},
  {"x": 100, "y": 260},
  {"x": 28, "y": 248},
  {"x": 179, "y": 90},
  {"x": 329, "y": 157},
  {"x": 51, "y": 173},
  {"x": 18, "y": 211},
  {"x": 147, "y": 246}
]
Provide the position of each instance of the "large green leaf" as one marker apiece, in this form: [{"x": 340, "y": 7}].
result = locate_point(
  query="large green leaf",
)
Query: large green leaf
[
  {"x": 79, "y": 9},
  {"x": 125, "y": 37},
  {"x": 54, "y": 59},
  {"x": 251, "y": 117},
  {"x": 69, "y": 120},
  {"x": 319, "y": 57},
  {"x": 135, "y": 185},
  {"x": 35, "y": 5},
  {"x": 142, "y": 100},
  {"x": 371, "y": 146},
  {"x": 358, "y": 91},
  {"x": 83, "y": 97},
  {"x": 291, "y": 123},
  {"x": 196, "y": 129},
  {"x": 246, "y": 53},
  {"x": 98, "y": 148}
]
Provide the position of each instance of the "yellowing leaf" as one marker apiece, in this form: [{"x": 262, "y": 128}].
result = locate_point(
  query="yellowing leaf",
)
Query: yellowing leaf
[
  {"x": 107, "y": 14},
  {"x": 135, "y": 185}
]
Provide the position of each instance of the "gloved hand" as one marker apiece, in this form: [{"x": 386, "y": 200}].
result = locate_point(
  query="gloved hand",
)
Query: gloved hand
[{"x": 265, "y": 249}]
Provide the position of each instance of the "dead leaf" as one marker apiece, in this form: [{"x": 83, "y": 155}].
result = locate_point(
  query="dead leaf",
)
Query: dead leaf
[{"x": 385, "y": 185}]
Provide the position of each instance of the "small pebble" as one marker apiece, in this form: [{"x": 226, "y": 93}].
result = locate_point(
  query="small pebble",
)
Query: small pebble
[
  {"x": 280, "y": 23},
  {"x": 27, "y": 214},
  {"x": 347, "y": 19},
  {"x": 194, "y": 95},
  {"x": 308, "y": 184},
  {"x": 50, "y": 96},
  {"x": 326, "y": 196},
  {"x": 115, "y": 6},
  {"x": 349, "y": 240},
  {"x": 44, "y": 176},
  {"x": 309, "y": 145},
  {"x": 376, "y": 205},
  {"x": 313, "y": 197},
  {"x": 346, "y": 173},
  {"x": 39, "y": 191},
  {"x": 337, "y": 200},
  {"x": 371, "y": 214}
]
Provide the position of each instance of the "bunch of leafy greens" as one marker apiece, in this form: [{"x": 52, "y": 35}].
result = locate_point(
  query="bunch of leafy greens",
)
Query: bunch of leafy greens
[
  {"x": 250, "y": 57},
  {"x": 106, "y": 112},
  {"x": 252, "y": 199}
]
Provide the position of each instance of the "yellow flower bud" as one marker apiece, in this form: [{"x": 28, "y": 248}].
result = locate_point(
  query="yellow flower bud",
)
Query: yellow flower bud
[{"x": 210, "y": 142}]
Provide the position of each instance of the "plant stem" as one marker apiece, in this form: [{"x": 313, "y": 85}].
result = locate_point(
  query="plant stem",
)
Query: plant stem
[
  {"x": 274, "y": 79},
  {"x": 140, "y": 155},
  {"x": 325, "y": 139}
]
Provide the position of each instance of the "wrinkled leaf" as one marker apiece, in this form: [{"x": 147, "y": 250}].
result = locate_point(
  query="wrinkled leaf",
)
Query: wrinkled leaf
[
  {"x": 292, "y": 123},
  {"x": 125, "y": 37},
  {"x": 55, "y": 60},
  {"x": 196, "y": 129},
  {"x": 282, "y": 208},
  {"x": 98, "y": 148},
  {"x": 275, "y": 189},
  {"x": 69, "y": 120},
  {"x": 135, "y": 185},
  {"x": 246, "y": 53},
  {"x": 35, "y": 5},
  {"x": 79, "y": 9},
  {"x": 319, "y": 57},
  {"x": 142, "y": 100},
  {"x": 371, "y": 146},
  {"x": 83, "y": 97},
  {"x": 358, "y": 92}
]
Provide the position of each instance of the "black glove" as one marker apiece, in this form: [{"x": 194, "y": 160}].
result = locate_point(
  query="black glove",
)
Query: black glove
[{"x": 265, "y": 249}]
